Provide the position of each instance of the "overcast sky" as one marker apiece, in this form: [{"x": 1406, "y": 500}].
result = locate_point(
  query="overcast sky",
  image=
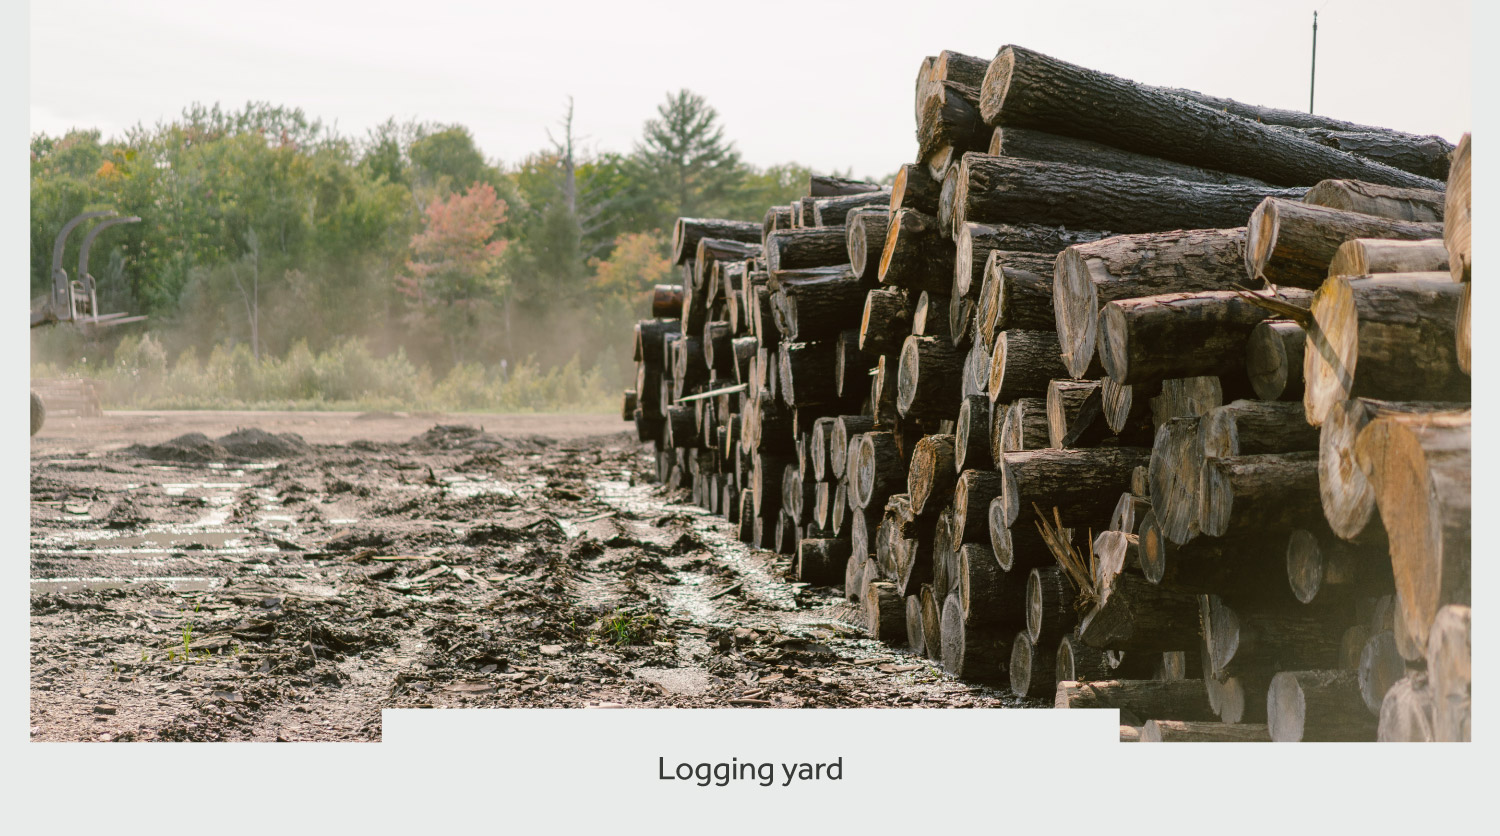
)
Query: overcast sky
[{"x": 828, "y": 85}]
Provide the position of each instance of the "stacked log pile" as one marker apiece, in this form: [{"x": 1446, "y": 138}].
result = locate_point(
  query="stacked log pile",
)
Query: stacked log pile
[{"x": 1119, "y": 395}]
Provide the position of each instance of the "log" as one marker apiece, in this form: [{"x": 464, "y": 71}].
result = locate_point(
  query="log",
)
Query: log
[
  {"x": 1024, "y": 247},
  {"x": 666, "y": 302},
  {"x": 1178, "y": 335},
  {"x": 914, "y": 636},
  {"x": 1380, "y": 667},
  {"x": 1025, "y": 144},
  {"x": 883, "y": 391},
  {"x": 932, "y": 623},
  {"x": 1050, "y": 612},
  {"x": 971, "y": 441},
  {"x": 746, "y": 515},
  {"x": 1273, "y": 491},
  {"x": 1089, "y": 276},
  {"x": 823, "y": 185},
  {"x": 1139, "y": 700},
  {"x": 1115, "y": 552},
  {"x": 1317, "y": 562},
  {"x": 776, "y": 218},
  {"x": 1178, "y": 731},
  {"x": 1368, "y": 256},
  {"x": 930, "y": 316},
  {"x": 819, "y": 447},
  {"x": 1406, "y": 713},
  {"x": 970, "y": 651},
  {"x": 945, "y": 568},
  {"x": 1127, "y": 409},
  {"x": 1129, "y": 510},
  {"x": 1419, "y": 468},
  {"x": 1188, "y": 397},
  {"x": 1249, "y": 427},
  {"x": 650, "y": 339},
  {"x": 1450, "y": 674},
  {"x": 1389, "y": 337},
  {"x": 1082, "y": 485},
  {"x": 845, "y": 428},
  {"x": 713, "y": 251},
  {"x": 1023, "y": 365},
  {"x": 914, "y": 189},
  {"x": 949, "y": 124},
  {"x": 1077, "y": 662},
  {"x": 1426, "y": 156},
  {"x": 1345, "y": 493},
  {"x": 875, "y": 469},
  {"x": 687, "y": 232},
  {"x": 835, "y": 211},
  {"x": 1290, "y": 243},
  {"x": 1249, "y": 642},
  {"x": 885, "y": 612},
  {"x": 807, "y": 373},
  {"x": 1140, "y": 617},
  {"x": 1026, "y": 426},
  {"x": 1397, "y": 204},
  {"x": 1072, "y": 406},
  {"x": 1030, "y": 668},
  {"x": 1317, "y": 705},
  {"x": 1029, "y": 90},
  {"x": 1273, "y": 359},
  {"x": 864, "y": 239},
  {"x": 930, "y": 479},
  {"x": 1461, "y": 331},
  {"x": 972, "y": 495},
  {"x": 916, "y": 255},
  {"x": 930, "y": 381},
  {"x": 885, "y": 322},
  {"x": 818, "y": 308},
  {"x": 718, "y": 355},
  {"x": 839, "y": 512},
  {"x": 990, "y": 597},
  {"x": 628, "y": 406},
  {"x": 810, "y": 247},
  {"x": 822, "y": 561},
  {"x": 1021, "y": 287},
  {"x": 995, "y": 190},
  {"x": 1456, "y": 214}
]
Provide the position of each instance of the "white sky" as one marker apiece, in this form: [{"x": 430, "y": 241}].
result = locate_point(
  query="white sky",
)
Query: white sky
[{"x": 828, "y": 85}]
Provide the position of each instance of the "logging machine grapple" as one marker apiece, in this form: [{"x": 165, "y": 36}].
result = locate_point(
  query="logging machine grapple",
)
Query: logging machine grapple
[{"x": 75, "y": 300}]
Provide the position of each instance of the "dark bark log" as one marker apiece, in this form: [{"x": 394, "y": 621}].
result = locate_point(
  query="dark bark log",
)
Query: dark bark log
[
  {"x": 864, "y": 240},
  {"x": 822, "y": 185},
  {"x": 990, "y": 596},
  {"x": 1291, "y": 243},
  {"x": 1419, "y": 467},
  {"x": 818, "y": 448},
  {"x": 1425, "y": 156},
  {"x": 886, "y": 321},
  {"x": 1406, "y": 714},
  {"x": 1317, "y": 705},
  {"x": 1273, "y": 359},
  {"x": 1243, "y": 494},
  {"x": 932, "y": 623},
  {"x": 835, "y": 211},
  {"x": 1025, "y": 426},
  {"x": 1421, "y": 205},
  {"x": 875, "y": 469},
  {"x": 971, "y": 443},
  {"x": 1450, "y": 674},
  {"x": 666, "y": 302},
  {"x": 1248, "y": 642},
  {"x": 628, "y": 406},
  {"x": 818, "y": 308},
  {"x": 746, "y": 516},
  {"x": 1023, "y": 364},
  {"x": 1209, "y": 564},
  {"x": 1115, "y": 552},
  {"x": 650, "y": 340},
  {"x": 711, "y": 252},
  {"x": 944, "y": 554},
  {"x": 764, "y": 318},
  {"x": 1457, "y": 212},
  {"x": 972, "y": 495},
  {"x": 1082, "y": 485},
  {"x": 1248, "y": 427},
  {"x": 777, "y": 218},
  {"x": 682, "y": 427},
  {"x": 839, "y": 509},
  {"x": 1368, "y": 256},
  {"x": 930, "y": 381},
  {"x": 1030, "y": 90},
  {"x": 915, "y": 189},
  {"x": 807, "y": 373},
  {"x": 1140, "y": 617},
  {"x": 1181, "y": 334},
  {"x": 765, "y": 482},
  {"x": 915, "y": 638},
  {"x": 1389, "y": 337},
  {"x": 883, "y": 392},
  {"x": 687, "y": 232},
  {"x": 1380, "y": 667},
  {"x": 717, "y": 355},
  {"x": 1024, "y": 144},
  {"x": 976, "y": 380},
  {"x": 1139, "y": 700},
  {"x": 1031, "y": 668},
  {"x": 885, "y": 612},
  {"x": 1050, "y": 612},
  {"x": 971, "y": 651},
  {"x": 1022, "y": 294},
  {"x": 1089, "y": 276},
  {"x": 930, "y": 479},
  {"x": 930, "y": 316},
  {"x": 917, "y": 255},
  {"x": 811, "y": 247},
  {"x": 822, "y": 562},
  {"x": 1178, "y": 731},
  {"x": 949, "y": 124},
  {"x": 1077, "y": 662},
  {"x": 1003, "y": 190},
  {"x": 1320, "y": 566}
]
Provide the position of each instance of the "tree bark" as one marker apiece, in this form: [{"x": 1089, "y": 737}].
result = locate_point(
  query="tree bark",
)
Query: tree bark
[
  {"x": 835, "y": 211},
  {"x": 1425, "y": 156},
  {"x": 1139, "y": 699},
  {"x": 687, "y": 232},
  {"x": 1389, "y": 337},
  {"x": 971, "y": 651},
  {"x": 990, "y": 596},
  {"x": 930, "y": 479},
  {"x": 1178, "y": 731},
  {"x": 807, "y": 373},
  {"x": 1272, "y": 492},
  {"x": 864, "y": 239},
  {"x": 1139, "y": 617},
  {"x": 1026, "y": 426},
  {"x": 949, "y": 124},
  {"x": 811, "y": 247},
  {"x": 776, "y": 218},
  {"x": 1077, "y": 662},
  {"x": 1089, "y": 276},
  {"x": 1067, "y": 403},
  {"x": 1397, "y": 204},
  {"x": 1029, "y": 90},
  {"x": 930, "y": 381},
  {"x": 1291, "y": 243},
  {"x": 823, "y": 185},
  {"x": 1250, "y": 642},
  {"x": 1044, "y": 147},
  {"x": 712, "y": 251},
  {"x": 930, "y": 316},
  {"x": 914, "y": 189},
  {"x": 1023, "y": 364},
  {"x": 1181, "y": 334},
  {"x": 821, "y": 307},
  {"x": 972, "y": 495},
  {"x": 1022, "y": 247},
  {"x": 650, "y": 340},
  {"x": 885, "y": 612},
  {"x": 916, "y": 255},
  {"x": 886, "y": 321},
  {"x": 1082, "y": 485},
  {"x": 1273, "y": 359},
  {"x": 1317, "y": 705},
  {"x": 1419, "y": 467},
  {"x": 819, "y": 446},
  {"x": 1050, "y": 612},
  {"x": 1249, "y": 427},
  {"x": 971, "y": 443},
  {"x": 1456, "y": 214},
  {"x": 1031, "y": 667},
  {"x": 1016, "y": 295},
  {"x": 822, "y": 562},
  {"x": 1003, "y": 190}
]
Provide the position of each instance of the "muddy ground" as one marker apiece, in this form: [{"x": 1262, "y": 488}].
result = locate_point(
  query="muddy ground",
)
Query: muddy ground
[{"x": 253, "y": 576}]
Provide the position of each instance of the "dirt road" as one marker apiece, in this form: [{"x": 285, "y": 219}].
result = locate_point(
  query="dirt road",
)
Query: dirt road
[{"x": 195, "y": 581}]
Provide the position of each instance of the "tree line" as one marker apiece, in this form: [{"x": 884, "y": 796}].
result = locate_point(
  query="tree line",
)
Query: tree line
[{"x": 263, "y": 228}]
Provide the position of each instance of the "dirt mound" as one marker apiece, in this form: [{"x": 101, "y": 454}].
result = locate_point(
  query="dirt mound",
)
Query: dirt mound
[
  {"x": 252, "y": 443},
  {"x": 474, "y": 440},
  {"x": 192, "y": 448}
]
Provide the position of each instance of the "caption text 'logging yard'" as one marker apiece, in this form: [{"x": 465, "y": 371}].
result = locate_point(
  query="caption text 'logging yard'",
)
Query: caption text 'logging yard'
[{"x": 1131, "y": 396}]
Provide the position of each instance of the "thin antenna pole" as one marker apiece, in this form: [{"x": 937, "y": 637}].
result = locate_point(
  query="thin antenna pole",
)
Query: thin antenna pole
[{"x": 1312, "y": 84}]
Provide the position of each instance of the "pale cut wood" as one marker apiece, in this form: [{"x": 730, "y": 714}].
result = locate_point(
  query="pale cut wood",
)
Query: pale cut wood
[
  {"x": 1456, "y": 213},
  {"x": 1366, "y": 256},
  {"x": 1343, "y": 489},
  {"x": 1290, "y": 243},
  {"x": 1449, "y": 672},
  {"x": 1424, "y": 205},
  {"x": 1273, "y": 360},
  {"x": 1406, "y": 713}
]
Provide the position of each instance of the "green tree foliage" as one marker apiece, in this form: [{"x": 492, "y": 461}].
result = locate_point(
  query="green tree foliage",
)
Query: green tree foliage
[{"x": 684, "y": 162}]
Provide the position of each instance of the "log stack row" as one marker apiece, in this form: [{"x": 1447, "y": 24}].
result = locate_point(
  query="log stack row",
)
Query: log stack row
[{"x": 1119, "y": 395}]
